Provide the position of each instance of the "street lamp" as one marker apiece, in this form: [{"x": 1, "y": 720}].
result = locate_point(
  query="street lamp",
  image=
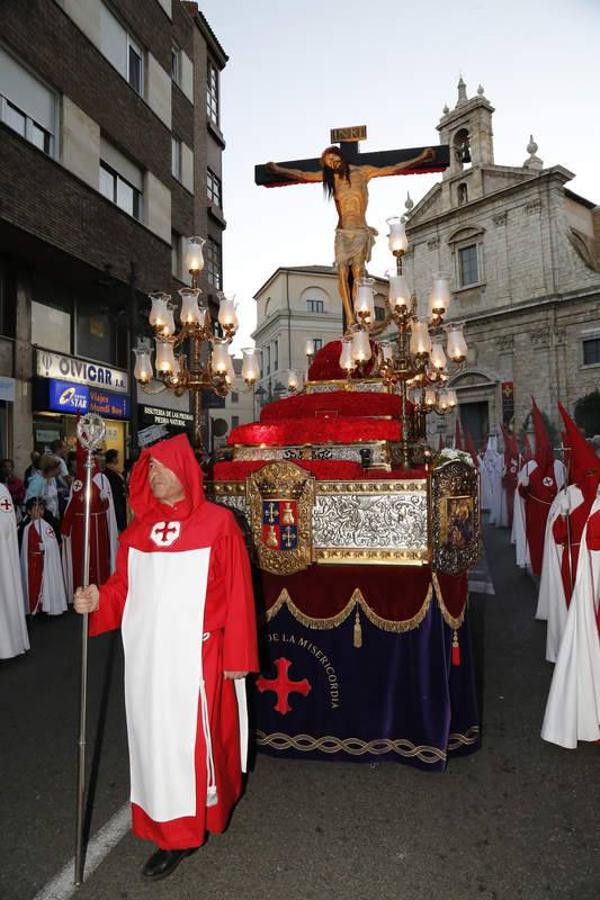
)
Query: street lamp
[{"x": 206, "y": 364}]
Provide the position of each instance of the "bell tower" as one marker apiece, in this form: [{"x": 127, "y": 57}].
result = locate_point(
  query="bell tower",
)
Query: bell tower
[{"x": 468, "y": 130}]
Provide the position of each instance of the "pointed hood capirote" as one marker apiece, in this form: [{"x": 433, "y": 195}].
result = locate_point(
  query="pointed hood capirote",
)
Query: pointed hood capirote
[
  {"x": 583, "y": 460},
  {"x": 544, "y": 454},
  {"x": 177, "y": 455}
]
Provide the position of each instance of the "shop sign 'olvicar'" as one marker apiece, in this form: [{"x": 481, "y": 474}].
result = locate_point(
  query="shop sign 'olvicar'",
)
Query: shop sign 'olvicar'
[{"x": 68, "y": 368}]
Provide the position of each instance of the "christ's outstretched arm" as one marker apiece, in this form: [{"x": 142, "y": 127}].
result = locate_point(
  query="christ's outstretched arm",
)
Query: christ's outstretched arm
[
  {"x": 379, "y": 171},
  {"x": 296, "y": 174}
]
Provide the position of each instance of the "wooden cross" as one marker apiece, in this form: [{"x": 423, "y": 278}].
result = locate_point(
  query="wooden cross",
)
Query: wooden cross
[{"x": 350, "y": 138}]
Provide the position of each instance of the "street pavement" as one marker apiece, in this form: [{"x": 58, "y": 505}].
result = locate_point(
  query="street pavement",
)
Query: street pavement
[{"x": 518, "y": 819}]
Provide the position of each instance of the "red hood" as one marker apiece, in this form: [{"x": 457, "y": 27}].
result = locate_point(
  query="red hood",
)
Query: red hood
[
  {"x": 544, "y": 455},
  {"x": 583, "y": 461},
  {"x": 177, "y": 455}
]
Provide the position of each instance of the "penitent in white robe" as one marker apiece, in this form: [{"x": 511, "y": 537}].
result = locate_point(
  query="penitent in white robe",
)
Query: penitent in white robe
[
  {"x": 13, "y": 628},
  {"x": 573, "y": 707}
]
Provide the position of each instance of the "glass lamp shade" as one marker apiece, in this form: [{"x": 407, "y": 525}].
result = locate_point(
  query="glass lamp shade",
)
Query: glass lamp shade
[
  {"x": 165, "y": 357},
  {"x": 220, "y": 356},
  {"x": 364, "y": 304},
  {"x": 438, "y": 357},
  {"x": 430, "y": 398},
  {"x": 361, "y": 346},
  {"x": 292, "y": 381},
  {"x": 176, "y": 371},
  {"x": 397, "y": 240},
  {"x": 159, "y": 310},
  {"x": 168, "y": 328},
  {"x": 190, "y": 313},
  {"x": 193, "y": 256},
  {"x": 452, "y": 398},
  {"x": 230, "y": 371},
  {"x": 443, "y": 403},
  {"x": 420, "y": 341},
  {"x": 227, "y": 314},
  {"x": 309, "y": 347},
  {"x": 456, "y": 347},
  {"x": 142, "y": 371},
  {"x": 346, "y": 358},
  {"x": 439, "y": 298},
  {"x": 399, "y": 292},
  {"x": 250, "y": 370}
]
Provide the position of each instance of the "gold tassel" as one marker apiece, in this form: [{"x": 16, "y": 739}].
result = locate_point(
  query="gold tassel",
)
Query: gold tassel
[{"x": 357, "y": 631}]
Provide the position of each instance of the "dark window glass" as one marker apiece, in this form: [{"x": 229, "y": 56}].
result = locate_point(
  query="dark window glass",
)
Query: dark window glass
[
  {"x": 315, "y": 306},
  {"x": 214, "y": 188},
  {"x": 119, "y": 191},
  {"x": 591, "y": 352},
  {"x": 317, "y": 344},
  {"x": 235, "y": 397},
  {"x": 212, "y": 92},
  {"x": 469, "y": 273},
  {"x": 235, "y": 421},
  {"x": 214, "y": 265},
  {"x": 95, "y": 333},
  {"x": 379, "y": 313},
  {"x": 135, "y": 69}
]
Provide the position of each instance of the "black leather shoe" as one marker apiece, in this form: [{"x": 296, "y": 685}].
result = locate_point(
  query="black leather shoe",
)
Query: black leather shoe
[{"x": 163, "y": 862}]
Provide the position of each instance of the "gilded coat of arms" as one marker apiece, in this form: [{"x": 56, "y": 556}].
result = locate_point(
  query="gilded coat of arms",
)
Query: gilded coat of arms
[{"x": 280, "y": 499}]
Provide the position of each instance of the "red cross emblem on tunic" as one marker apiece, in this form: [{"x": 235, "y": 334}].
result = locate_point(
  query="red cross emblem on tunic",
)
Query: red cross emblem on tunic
[
  {"x": 547, "y": 481},
  {"x": 77, "y": 485},
  {"x": 283, "y": 686},
  {"x": 165, "y": 533},
  {"x": 6, "y": 505}
]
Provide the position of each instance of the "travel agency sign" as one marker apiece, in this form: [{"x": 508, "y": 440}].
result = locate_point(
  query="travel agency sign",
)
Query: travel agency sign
[{"x": 81, "y": 371}]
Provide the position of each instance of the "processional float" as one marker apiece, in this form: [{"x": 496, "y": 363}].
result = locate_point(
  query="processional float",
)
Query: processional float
[{"x": 349, "y": 510}]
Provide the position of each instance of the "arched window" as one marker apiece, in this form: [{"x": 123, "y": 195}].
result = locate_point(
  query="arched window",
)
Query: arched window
[
  {"x": 314, "y": 300},
  {"x": 462, "y": 148}
]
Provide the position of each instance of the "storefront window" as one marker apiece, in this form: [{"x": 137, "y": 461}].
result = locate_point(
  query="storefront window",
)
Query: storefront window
[{"x": 50, "y": 327}]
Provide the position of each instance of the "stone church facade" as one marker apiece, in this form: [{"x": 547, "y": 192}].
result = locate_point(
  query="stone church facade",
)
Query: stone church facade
[{"x": 523, "y": 255}]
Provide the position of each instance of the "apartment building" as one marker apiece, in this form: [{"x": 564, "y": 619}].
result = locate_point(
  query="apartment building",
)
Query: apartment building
[{"x": 110, "y": 155}]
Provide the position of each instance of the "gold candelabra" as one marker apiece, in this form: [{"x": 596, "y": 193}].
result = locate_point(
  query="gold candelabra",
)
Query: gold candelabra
[
  {"x": 192, "y": 356},
  {"x": 417, "y": 362}
]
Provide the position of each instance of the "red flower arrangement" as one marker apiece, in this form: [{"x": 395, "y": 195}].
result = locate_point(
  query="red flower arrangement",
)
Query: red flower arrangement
[
  {"x": 317, "y": 431},
  {"x": 335, "y": 403}
]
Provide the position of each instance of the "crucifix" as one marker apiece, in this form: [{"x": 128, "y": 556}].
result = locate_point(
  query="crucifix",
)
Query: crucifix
[{"x": 345, "y": 174}]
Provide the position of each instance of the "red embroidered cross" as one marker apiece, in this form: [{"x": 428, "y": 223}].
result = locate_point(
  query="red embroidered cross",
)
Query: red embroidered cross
[
  {"x": 5, "y": 504},
  {"x": 165, "y": 533},
  {"x": 283, "y": 686}
]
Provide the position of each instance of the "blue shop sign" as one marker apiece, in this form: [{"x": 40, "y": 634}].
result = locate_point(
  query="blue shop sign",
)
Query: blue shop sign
[
  {"x": 80, "y": 399},
  {"x": 69, "y": 398}
]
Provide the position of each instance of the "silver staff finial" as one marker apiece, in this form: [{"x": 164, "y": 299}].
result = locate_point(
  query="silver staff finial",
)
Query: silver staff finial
[{"x": 91, "y": 431}]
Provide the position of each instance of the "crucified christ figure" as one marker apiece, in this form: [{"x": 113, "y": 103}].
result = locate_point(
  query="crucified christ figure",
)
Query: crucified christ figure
[{"x": 347, "y": 184}]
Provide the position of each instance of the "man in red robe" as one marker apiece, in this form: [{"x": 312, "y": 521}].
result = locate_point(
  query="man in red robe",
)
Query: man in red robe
[
  {"x": 543, "y": 478},
  {"x": 182, "y": 593}
]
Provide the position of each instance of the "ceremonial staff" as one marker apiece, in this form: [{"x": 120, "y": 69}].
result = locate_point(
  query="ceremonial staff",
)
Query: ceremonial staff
[
  {"x": 566, "y": 458},
  {"x": 90, "y": 431}
]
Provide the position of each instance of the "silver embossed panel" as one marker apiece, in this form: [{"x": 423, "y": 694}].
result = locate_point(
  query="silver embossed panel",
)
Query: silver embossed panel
[{"x": 354, "y": 521}]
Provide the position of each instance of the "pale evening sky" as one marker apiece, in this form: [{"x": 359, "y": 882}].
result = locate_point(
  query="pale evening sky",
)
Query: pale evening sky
[{"x": 298, "y": 69}]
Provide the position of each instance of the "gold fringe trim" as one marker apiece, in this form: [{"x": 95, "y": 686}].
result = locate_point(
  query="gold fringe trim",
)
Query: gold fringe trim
[
  {"x": 449, "y": 619},
  {"x": 357, "y": 601}
]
